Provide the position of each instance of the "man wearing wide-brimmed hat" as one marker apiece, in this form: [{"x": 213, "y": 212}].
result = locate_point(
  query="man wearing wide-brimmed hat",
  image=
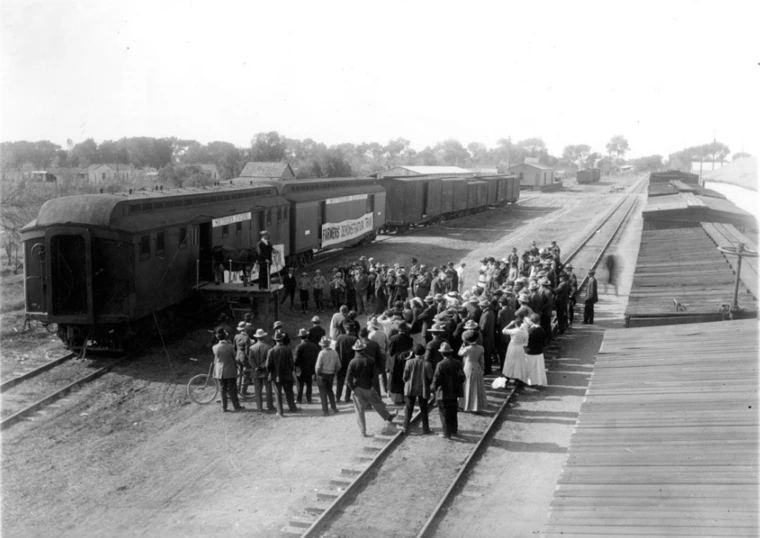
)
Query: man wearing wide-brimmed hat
[
  {"x": 316, "y": 332},
  {"x": 448, "y": 381},
  {"x": 398, "y": 347},
  {"x": 359, "y": 378},
  {"x": 318, "y": 284},
  {"x": 281, "y": 367},
  {"x": 257, "y": 359},
  {"x": 306, "y": 353},
  {"x": 266, "y": 251},
  {"x": 328, "y": 364},
  {"x": 378, "y": 335},
  {"x": 562, "y": 298},
  {"x": 592, "y": 297},
  {"x": 547, "y": 305},
  {"x": 225, "y": 369},
  {"x": 432, "y": 349},
  {"x": 572, "y": 280}
]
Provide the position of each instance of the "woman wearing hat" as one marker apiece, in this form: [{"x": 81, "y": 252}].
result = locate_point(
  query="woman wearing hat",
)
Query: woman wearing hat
[
  {"x": 475, "y": 399},
  {"x": 225, "y": 369},
  {"x": 514, "y": 361}
]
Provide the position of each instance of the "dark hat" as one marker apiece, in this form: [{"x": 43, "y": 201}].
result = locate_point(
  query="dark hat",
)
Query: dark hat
[
  {"x": 446, "y": 348},
  {"x": 419, "y": 349},
  {"x": 221, "y": 334},
  {"x": 279, "y": 336},
  {"x": 403, "y": 327}
]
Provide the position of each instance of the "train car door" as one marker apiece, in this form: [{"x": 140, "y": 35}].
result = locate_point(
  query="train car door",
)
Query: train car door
[
  {"x": 425, "y": 198},
  {"x": 206, "y": 269}
]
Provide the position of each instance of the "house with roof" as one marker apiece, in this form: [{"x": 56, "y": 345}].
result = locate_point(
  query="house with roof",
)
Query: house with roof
[
  {"x": 109, "y": 172},
  {"x": 532, "y": 174},
  {"x": 267, "y": 171},
  {"x": 439, "y": 171},
  {"x": 210, "y": 170}
]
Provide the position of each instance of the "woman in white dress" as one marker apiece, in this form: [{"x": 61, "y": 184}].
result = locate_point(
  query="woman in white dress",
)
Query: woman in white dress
[
  {"x": 515, "y": 366},
  {"x": 475, "y": 399}
]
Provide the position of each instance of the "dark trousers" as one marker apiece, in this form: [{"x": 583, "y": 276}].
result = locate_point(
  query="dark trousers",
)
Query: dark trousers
[
  {"x": 561, "y": 317},
  {"x": 342, "y": 381},
  {"x": 571, "y": 311},
  {"x": 448, "y": 412},
  {"x": 325, "y": 386},
  {"x": 304, "y": 296},
  {"x": 263, "y": 275},
  {"x": 304, "y": 381},
  {"x": 546, "y": 324},
  {"x": 289, "y": 293},
  {"x": 229, "y": 389},
  {"x": 286, "y": 386},
  {"x": 259, "y": 384},
  {"x": 318, "y": 300},
  {"x": 423, "y": 403},
  {"x": 588, "y": 312}
]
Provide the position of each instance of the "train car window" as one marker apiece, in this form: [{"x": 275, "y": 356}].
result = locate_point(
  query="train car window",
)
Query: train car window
[
  {"x": 183, "y": 237},
  {"x": 189, "y": 201},
  {"x": 226, "y": 230},
  {"x": 147, "y": 207},
  {"x": 144, "y": 247},
  {"x": 238, "y": 228},
  {"x": 135, "y": 208},
  {"x": 269, "y": 217},
  {"x": 158, "y": 205},
  {"x": 160, "y": 243}
]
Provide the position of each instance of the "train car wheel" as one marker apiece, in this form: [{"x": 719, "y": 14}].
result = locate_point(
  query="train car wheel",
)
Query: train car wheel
[{"x": 202, "y": 389}]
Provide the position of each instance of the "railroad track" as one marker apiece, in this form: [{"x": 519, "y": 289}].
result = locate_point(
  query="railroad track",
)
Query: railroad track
[
  {"x": 351, "y": 497},
  {"x": 25, "y": 403}
]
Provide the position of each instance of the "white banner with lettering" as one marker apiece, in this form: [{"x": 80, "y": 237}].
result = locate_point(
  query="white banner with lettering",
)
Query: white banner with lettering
[
  {"x": 337, "y": 232},
  {"x": 225, "y": 221},
  {"x": 352, "y": 198}
]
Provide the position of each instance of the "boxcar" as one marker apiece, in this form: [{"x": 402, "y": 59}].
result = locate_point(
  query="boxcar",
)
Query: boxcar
[
  {"x": 453, "y": 196},
  {"x": 411, "y": 201},
  {"x": 331, "y": 213},
  {"x": 513, "y": 188},
  {"x": 590, "y": 175},
  {"x": 477, "y": 195},
  {"x": 100, "y": 265}
]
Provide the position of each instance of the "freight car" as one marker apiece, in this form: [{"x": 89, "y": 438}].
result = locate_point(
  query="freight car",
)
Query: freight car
[
  {"x": 422, "y": 200},
  {"x": 590, "y": 175},
  {"x": 101, "y": 266}
]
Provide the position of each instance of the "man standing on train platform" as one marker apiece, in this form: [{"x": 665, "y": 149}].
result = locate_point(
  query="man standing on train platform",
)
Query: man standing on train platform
[
  {"x": 305, "y": 360},
  {"x": 547, "y": 306},
  {"x": 344, "y": 347},
  {"x": 377, "y": 335},
  {"x": 372, "y": 350},
  {"x": 418, "y": 375},
  {"x": 281, "y": 366},
  {"x": 336, "y": 323},
  {"x": 460, "y": 277},
  {"x": 572, "y": 280},
  {"x": 289, "y": 282},
  {"x": 555, "y": 252},
  {"x": 316, "y": 332},
  {"x": 561, "y": 302},
  {"x": 592, "y": 297},
  {"x": 318, "y": 285},
  {"x": 304, "y": 289},
  {"x": 257, "y": 359},
  {"x": 487, "y": 324},
  {"x": 266, "y": 251},
  {"x": 359, "y": 378},
  {"x": 360, "y": 283}
]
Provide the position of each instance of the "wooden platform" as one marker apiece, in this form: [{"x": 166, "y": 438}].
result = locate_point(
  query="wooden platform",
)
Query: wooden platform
[
  {"x": 683, "y": 266},
  {"x": 666, "y": 443},
  {"x": 263, "y": 304}
]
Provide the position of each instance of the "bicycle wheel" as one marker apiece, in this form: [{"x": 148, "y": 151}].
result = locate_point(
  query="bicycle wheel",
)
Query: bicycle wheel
[{"x": 202, "y": 389}]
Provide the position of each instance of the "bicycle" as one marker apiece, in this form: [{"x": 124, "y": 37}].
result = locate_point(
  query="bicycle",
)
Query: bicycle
[{"x": 203, "y": 388}]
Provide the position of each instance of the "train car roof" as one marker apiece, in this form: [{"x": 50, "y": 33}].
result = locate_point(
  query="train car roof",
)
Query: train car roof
[
  {"x": 687, "y": 207},
  {"x": 147, "y": 206},
  {"x": 322, "y": 194}
]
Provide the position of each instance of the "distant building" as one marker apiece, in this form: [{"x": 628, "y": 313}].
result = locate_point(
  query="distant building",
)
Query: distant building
[
  {"x": 107, "y": 172},
  {"x": 267, "y": 171},
  {"x": 42, "y": 175},
  {"x": 533, "y": 175},
  {"x": 210, "y": 170},
  {"x": 402, "y": 171},
  {"x": 484, "y": 171}
]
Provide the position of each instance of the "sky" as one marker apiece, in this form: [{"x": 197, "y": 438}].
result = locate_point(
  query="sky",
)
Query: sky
[{"x": 666, "y": 75}]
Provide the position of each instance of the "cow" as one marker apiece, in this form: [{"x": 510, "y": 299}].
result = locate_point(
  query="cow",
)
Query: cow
[{"x": 240, "y": 260}]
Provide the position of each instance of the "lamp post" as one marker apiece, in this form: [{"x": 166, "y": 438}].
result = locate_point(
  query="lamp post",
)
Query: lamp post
[{"x": 740, "y": 252}]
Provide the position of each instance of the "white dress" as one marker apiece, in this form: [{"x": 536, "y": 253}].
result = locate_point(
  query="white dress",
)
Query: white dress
[{"x": 515, "y": 366}]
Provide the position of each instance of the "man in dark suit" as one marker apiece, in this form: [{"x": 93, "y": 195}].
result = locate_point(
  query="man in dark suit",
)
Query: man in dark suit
[
  {"x": 447, "y": 384},
  {"x": 280, "y": 366},
  {"x": 265, "y": 260},
  {"x": 289, "y": 282},
  {"x": 344, "y": 346},
  {"x": 306, "y": 361},
  {"x": 592, "y": 297}
]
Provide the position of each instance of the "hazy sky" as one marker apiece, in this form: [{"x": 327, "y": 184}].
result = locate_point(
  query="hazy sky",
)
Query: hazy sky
[{"x": 665, "y": 74}]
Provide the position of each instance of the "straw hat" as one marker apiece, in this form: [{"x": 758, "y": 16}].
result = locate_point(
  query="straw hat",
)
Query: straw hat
[
  {"x": 359, "y": 345},
  {"x": 259, "y": 333},
  {"x": 316, "y": 320}
]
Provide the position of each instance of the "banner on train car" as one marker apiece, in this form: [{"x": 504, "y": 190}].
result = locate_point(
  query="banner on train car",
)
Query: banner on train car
[
  {"x": 338, "y": 232},
  {"x": 352, "y": 198},
  {"x": 224, "y": 221}
]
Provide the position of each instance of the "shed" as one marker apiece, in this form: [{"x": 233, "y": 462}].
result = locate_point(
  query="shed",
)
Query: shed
[
  {"x": 533, "y": 175},
  {"x": 107, "y": 172}
]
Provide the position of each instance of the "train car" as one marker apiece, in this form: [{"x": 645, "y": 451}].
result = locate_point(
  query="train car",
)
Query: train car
[
  {"x": 100, "y": 266},
  {"x": 454, "y": 194},
  {"x": 590, "y": 175},
  {"x": 477, "y": 196},
  {"x": 493, "y": 184},
  {"x": 411, "y": 201},
  {"x": 513, "y": 189},
  {"x": 331, "y": 213}
]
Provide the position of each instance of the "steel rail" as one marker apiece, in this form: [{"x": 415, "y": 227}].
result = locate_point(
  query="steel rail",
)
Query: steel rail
[
  {"x": 39, "y": 404},
  {"x": 33, "y": 373}
]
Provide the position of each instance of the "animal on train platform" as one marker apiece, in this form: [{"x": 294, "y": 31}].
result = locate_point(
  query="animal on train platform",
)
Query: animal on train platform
[{"x": 235, "y": 260}]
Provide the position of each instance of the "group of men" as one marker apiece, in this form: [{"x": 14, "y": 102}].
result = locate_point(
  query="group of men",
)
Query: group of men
[{"x": 402, "y": 347}]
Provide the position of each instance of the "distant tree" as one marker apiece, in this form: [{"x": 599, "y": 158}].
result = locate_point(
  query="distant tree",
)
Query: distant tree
[
  {"x": 591, "y": 159},
  {"x": 451, "y": 152},
  {"x": 228, "y": 159},
  {"x": 534, "y": 147},
  {"x": 85, "y": 153},
  {"x": 335, "y": 164},
  {"x": 479, "y": 154},
  {"x": 577, "y": 154},
  {"x": 397, "y": 150},
  {"x": 268, "y": 147},
  {"x": 739, "y": 155},
  {"x": 427, "y": 157},
  {"x": 717, "y": 151},
  {"x": 650, "y": 163},
  {"x": 618, "y": 145}
]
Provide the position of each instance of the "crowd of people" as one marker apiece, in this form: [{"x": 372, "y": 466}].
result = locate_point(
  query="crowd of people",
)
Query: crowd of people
[{"x": 426, "y": 333}]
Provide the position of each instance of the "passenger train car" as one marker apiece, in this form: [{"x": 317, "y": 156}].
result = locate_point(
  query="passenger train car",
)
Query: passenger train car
[{"x": 102, "y": 266}]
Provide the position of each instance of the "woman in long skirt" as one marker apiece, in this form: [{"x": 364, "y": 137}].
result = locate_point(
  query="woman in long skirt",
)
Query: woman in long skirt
[
  {"x": 515, "y": 366},
  {"x": 475, "y": 399},
  {"x": 535, "y": 361}
]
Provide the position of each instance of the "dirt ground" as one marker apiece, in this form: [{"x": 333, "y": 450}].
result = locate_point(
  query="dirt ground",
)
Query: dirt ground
[{"x": 130, "y": 455}]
